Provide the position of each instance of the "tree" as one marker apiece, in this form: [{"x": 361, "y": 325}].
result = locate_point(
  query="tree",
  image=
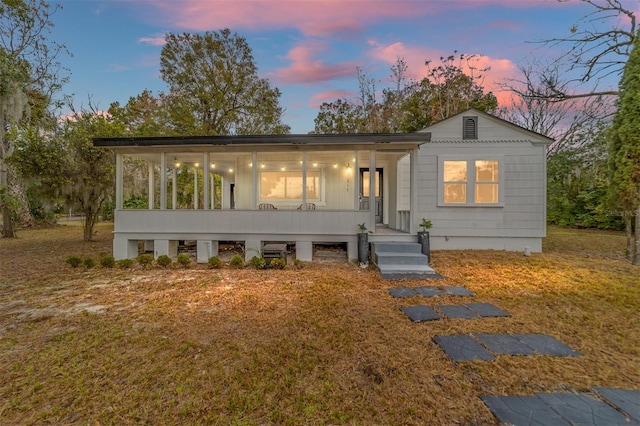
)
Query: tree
[
  {"x": 68, "y": 166},
  {"x": 30, "y": 74},
  {"x": 340, "y": 116},
  {"x": 143, "y": 115},
  {"x": 214, "y": 87},
  {"x": 409, "y": 105},
  {"x": 594, "y": 52},
  {"x": 455, "y": 90},
  {"x": 624, "y": 159},
  {"x": 13, "y": 107}
]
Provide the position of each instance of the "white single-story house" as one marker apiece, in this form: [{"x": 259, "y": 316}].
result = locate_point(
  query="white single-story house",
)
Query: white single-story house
[{"x": 479, "y": 179}]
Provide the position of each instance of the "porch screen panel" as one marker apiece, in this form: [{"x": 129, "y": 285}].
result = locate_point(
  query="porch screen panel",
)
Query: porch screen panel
[
  {"x": 455, "y": 182},
  {"x": 486, "y": 187}
]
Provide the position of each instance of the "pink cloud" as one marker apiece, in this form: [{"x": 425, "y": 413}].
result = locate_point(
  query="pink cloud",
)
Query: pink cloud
[
  {"x": 312, "y": 18},
  {"x": 415, "y": 57},
  {"x": 305, "y": 69},
  {"x": 329, "y": 96}
]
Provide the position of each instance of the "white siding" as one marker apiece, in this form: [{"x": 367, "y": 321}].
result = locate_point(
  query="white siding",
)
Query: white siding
[{"x": 520, "y": 220}]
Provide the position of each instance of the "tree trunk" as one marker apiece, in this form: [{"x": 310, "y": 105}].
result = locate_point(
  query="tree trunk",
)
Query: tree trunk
[
  {"x": 628, "y": 229},
  {"x": 23, "y": 211},
  {"x": 635, "y": 258},
  {"x": 7, "y": 224},
  {"x": 90, "y": 219}
]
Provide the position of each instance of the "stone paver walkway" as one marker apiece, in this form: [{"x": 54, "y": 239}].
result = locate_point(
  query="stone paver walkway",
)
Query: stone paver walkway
[
  {"x": 429, "y": 291},
  {"x": 614, "y": 407},
  {"x": 418, "y": 313},
  {"x": 603, "y": 407},
  {"x": 462, "y": 347}
]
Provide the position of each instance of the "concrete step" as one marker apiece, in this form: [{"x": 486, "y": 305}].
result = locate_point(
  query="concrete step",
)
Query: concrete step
[
  {"x": 396, "y": 247},
  {"x": 405, "y": 259},
  {"x": 406, "y": 269}
]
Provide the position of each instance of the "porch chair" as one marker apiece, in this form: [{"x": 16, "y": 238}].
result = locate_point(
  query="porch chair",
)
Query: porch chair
[
  {"x": 310, "y": 206},
  {"x": 267, "y": 206}
]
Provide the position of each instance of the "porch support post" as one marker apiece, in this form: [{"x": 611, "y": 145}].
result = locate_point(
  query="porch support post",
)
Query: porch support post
[
  {"x": 254, "y": 179},
  {"x": 196, "y": 194},
  {"x": 119, "y": 179},
  {"x": 212, "y": 187},
  {"x": 151, "y": 187},
  {"x": 356, "y": 182},
  {"x": 163, "y": 181},
  {"x": 372, "y": 191},
  {"x": 205, "y": 249},
  {"x": 205, "y": 179},
  {"x": 304, "y": 181},
  {"x": 174, "y": 187},
  {"x": 413, "y": 189}
]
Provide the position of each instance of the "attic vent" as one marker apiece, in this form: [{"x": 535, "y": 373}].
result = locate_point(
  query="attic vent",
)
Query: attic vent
[{"x": 470, "y": 128}]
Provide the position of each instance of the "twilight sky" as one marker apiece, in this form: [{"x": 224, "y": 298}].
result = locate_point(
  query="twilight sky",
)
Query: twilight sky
[{"x": 309, "y": 49}]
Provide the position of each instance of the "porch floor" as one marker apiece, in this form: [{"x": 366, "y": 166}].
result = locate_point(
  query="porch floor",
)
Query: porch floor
[{"x": 383, "y": 229}]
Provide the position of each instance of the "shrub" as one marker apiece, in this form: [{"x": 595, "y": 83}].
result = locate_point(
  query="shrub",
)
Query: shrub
[
  {"x": 74, "y": 261},
  {"x": 125, "y": 263},
  {"x": 89, "y": 262},
  {"x": 163, "y": 260},
  {"x": 214, "y": 262},
  {"x": 258, "y": 262},
  {"x": 107, "y": 262},
  {"x": 145, "y": 260},
  {"x": 278, "y": 263},
  {"x": 236, "y": 262},
  {"x": 184, "y": 260},
  {"x": 299, "y": 264}
]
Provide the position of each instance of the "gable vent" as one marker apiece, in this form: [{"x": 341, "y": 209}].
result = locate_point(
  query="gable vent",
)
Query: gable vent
[{"x": 470, "y": 128}]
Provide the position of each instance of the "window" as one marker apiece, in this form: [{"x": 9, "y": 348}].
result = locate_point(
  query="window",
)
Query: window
[
  {"x": 486, "y": 190},
  {"x": 287, "y": 185},
  {"x": 469, "y": 127},
  {"x": 470, "y": 182},
  {"x": 455, "y": 182}
]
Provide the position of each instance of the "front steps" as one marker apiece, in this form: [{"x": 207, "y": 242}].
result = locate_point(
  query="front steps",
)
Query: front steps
[{"x": 401, "y": 260}]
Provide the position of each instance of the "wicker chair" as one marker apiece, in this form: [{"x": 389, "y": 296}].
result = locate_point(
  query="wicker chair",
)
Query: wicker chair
[{"x": 309, "y": 206}]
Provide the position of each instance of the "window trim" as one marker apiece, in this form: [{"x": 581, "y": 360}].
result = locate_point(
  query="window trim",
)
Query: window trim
[{"x": 471, "y": 180}]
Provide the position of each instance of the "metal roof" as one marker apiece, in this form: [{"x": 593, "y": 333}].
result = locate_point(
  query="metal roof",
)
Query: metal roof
[{"x": 333, "y": 140}]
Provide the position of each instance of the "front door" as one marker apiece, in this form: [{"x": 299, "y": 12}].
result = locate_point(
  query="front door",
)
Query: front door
[{"x": 377, "y": 192}]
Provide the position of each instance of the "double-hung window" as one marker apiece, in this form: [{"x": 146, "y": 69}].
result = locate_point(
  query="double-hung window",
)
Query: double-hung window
[{"x": 470, "y": 182}]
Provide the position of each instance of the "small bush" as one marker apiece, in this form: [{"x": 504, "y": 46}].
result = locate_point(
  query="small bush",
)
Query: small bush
[
  {"x": 145, "y": 260},
  {"x": 125, "y": 263},
  {"x": 107, "y": 262},
  {"x": 163, "y": 260},
  {"x": 299, "y": 264},
  {"x": 74, "y": 261},
  {"x": 258, "y": 262},
  {"x": 278, "y": 263},
  {"x": 236, "y": 262},
  {"x": 184, "y": 260},
  {"x": 214, "y": 262}
]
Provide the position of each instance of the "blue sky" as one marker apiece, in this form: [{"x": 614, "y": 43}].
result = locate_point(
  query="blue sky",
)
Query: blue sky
[{"x": 309, "y": 49}]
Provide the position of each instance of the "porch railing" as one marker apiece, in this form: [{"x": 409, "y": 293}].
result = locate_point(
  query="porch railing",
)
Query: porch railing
[{"x": 403, "y": 219}]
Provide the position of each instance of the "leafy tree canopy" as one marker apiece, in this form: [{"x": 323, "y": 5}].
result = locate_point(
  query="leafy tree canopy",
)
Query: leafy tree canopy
[{"x": 214, "y": 87}]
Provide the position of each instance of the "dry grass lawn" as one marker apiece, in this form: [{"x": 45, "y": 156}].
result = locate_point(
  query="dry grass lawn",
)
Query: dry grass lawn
[{"x": 324, "y": 344}]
